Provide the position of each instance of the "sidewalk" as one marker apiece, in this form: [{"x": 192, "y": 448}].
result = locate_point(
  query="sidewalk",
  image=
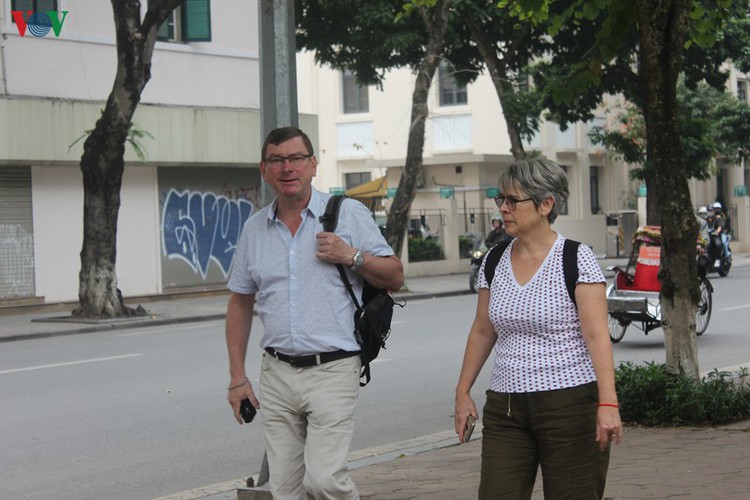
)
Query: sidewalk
[{"x": 651, "y": 463}]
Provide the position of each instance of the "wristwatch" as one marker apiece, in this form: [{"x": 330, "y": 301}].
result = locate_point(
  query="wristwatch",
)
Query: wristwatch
[{"x": 358, "y": 260}]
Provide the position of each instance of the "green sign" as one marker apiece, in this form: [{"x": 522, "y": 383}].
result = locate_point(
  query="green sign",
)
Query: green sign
[
  {"x": 336, "y": 190},
  {"x": 391, "y": 193},
  {"x": 492, "y": 192},
  {"x": 642, "y": 190},
  {"x": 740, "y": 190},
  {"x": 447, "y": 193}
]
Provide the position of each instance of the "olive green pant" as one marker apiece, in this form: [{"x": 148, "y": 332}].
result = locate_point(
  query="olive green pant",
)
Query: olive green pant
[{"x": 552, "y": 429}]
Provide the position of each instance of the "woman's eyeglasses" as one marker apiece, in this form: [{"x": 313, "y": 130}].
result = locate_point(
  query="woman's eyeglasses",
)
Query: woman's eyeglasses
[
  {"x": 294, "y": 160},
  {"x": 510, "y": 201}
]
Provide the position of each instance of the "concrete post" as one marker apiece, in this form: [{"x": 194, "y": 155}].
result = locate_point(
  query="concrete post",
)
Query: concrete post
[
  {"x": 278, "y": 91},
  {"x": 278, "y": 70}
]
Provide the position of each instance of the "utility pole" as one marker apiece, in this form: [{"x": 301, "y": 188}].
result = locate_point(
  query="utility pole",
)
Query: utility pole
[
  {"x": 278, "y": 70},
  {"x": 278, "y": 98}
]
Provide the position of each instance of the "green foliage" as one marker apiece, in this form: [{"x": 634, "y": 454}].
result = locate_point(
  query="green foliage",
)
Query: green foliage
[
  {"x": 713, "y": 124},
  {"x": 465, "y": 246},
  {"x": 135, "y": 134},
  {"x": 650, "y": 396},
  {"x": 423, "y": 249}
]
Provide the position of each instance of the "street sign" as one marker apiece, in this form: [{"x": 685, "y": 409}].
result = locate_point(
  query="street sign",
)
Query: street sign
[
  {"x": 391, "y": 193},
  {"x": 492, "y": 192},
  {"x": 447, "y": 193},
  {"x": 336, "y": 190}
]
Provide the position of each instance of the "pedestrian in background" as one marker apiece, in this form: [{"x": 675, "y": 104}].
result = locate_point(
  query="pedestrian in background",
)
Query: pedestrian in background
[
  {"x": 310, "y": 367},
  {"x": 552, "y": 400}
]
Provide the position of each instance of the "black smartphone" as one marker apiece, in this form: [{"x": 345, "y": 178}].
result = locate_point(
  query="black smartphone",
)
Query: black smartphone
[
  {"x": 469, "y": 428},
  {"x": 247, "y": 410}
]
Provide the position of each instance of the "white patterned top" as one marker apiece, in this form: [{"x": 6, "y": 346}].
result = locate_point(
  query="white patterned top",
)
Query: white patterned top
[{"x": 539, "y": 346}]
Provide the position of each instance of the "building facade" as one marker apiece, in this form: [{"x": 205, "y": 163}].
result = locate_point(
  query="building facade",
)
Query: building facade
[
  {"x": 363, "y": 137},
  {"x": 183, "y": 207}
]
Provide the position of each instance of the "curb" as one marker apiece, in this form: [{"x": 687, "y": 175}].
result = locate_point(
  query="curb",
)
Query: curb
[{"x": 150, "y": 321}]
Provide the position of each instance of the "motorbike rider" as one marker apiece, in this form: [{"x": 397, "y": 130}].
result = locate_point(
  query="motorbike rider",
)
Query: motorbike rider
[
  {"x": 497, "y": 234},
  {"x": 722, "y": 227},
  {"x": 703, "y": 224}
]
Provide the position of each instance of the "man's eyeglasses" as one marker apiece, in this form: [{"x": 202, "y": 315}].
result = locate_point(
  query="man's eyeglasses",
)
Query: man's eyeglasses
[
  {"x": 294, "y": 160},
  {"x": 510, "y": 201}
]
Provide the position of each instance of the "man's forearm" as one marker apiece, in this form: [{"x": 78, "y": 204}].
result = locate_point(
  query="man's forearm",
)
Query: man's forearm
[{"x": 238, "y": 323}]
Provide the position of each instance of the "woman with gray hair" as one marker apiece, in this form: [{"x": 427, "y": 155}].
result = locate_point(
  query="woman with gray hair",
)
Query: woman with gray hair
[{"x": 552, "y": 399}]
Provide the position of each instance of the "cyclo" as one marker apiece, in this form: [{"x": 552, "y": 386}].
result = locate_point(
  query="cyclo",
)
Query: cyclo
[{"x": 633, "y": 297}]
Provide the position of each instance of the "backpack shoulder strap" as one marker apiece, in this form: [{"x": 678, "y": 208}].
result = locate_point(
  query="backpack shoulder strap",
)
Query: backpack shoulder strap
[
  {"x": 570, "y": 267},
  {"x": 570, "y": 264},
  {"x": 331, "y": 216},
  {"x": 329, "y": 219},
  {"x": 493, "y": 259}
]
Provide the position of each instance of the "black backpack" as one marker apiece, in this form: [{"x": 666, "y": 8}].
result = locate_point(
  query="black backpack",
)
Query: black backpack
[
  {"x": 372, "y": 318},
  {"x": 570, "y": 264}
]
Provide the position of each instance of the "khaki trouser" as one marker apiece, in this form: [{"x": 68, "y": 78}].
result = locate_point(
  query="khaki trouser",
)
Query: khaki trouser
[{"x": 308, "y": 425}]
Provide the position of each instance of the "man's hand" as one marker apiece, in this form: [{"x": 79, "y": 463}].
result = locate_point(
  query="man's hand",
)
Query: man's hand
[
  {"x": 239, "y": 391},
  {"x": 333, "y": 249}
]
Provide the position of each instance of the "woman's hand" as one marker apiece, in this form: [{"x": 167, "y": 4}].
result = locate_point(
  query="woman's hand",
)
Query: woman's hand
[
  {"x": 464, "y": 407},
  {"x": 608, "y": 426}
]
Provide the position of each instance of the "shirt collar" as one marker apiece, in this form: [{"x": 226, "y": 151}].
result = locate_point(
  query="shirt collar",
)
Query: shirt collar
[{"x": 316, "y": 206}]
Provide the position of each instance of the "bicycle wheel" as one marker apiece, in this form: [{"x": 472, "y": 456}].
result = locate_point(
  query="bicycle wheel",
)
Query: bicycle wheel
[
  {"x": 705, "y": 305},
  {"x": 617, "y": 328}
]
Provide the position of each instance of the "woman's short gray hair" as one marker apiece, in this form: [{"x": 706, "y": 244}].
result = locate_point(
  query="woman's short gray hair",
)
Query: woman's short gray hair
[{"x": 538, "y": 179}]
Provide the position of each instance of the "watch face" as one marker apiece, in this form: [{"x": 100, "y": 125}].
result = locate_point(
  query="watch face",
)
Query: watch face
[{"x": 358, "y": 259}]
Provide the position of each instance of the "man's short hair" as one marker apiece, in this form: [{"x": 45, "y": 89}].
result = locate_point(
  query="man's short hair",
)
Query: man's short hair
[{"x": 283, "y": 134}]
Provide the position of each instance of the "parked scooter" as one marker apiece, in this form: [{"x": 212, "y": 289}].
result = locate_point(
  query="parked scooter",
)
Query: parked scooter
[
  {"x": 476, "y": 262},
  {"x": 714, "y": 259}
]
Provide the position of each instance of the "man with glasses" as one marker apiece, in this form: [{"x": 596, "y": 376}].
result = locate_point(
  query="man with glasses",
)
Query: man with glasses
[{"x": 310, "y": 367}]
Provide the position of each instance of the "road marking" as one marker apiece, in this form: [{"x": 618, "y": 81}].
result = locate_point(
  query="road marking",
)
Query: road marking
[
  {"x": 735, "y": 308},
  {"x": 154, "y": 329},
  {"x": 69, "y": 363}
]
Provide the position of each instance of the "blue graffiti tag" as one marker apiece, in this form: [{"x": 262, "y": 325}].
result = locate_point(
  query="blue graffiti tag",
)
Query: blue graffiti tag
[{"x": 200, "y": 227}]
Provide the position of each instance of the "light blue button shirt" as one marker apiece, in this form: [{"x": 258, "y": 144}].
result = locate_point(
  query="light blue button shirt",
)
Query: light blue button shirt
[{"x": 301, "y": 300}]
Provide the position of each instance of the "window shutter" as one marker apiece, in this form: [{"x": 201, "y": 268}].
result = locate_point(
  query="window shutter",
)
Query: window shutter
[{"x": 196, "y": 21}]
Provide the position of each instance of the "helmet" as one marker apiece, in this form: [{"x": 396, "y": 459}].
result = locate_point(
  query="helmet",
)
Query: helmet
[
  {"x": 716, "y": 205},
  {"x": 498, "y": 218},
  {"x": 702, "y": 211}
]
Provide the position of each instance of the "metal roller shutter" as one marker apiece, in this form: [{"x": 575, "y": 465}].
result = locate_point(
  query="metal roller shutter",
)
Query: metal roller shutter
[{"x": 16, "y": 234}]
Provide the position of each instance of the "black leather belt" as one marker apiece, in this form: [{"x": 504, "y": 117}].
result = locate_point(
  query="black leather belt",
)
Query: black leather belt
[{"x": 312, "y": 359}]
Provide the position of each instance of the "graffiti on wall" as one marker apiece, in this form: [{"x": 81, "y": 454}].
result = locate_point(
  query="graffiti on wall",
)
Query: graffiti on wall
[
  {"x": 16, "y": 261},
  {"x": 202, "y": 227}
]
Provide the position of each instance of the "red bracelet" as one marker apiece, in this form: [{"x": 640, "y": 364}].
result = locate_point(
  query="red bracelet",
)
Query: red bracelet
[{"x": 611, "y": 405}]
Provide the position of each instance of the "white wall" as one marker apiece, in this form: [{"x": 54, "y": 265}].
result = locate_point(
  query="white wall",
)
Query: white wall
[
  {"x": 57, "y": 194},
  {"x": 81, "y": 63},
  {"x": 58, "y": 228}
]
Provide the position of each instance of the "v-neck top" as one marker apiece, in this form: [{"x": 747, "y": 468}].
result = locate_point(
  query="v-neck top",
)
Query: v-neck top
[{"x": 539, "y": 345}]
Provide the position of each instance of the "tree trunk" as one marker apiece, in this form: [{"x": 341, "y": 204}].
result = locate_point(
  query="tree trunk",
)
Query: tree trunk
[
  {"x": 663, "y": 29},
  {"x": 436, "y": 21},
  {"x": 498, "y": 72},
  {"x": 102, "y": 163}
]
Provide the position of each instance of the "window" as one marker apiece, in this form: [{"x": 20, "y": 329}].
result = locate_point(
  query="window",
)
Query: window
[
  {"x": 742, "y": 90},
  {"x": 35, "y": 5},
  {"x": 356, "y": 98},
  {"x": 562, "y": 209},
  {"x": 594, "y": 186},
  {"x": 357, "y": 178},
  {"x": 190, "y": 22},
  {"x": 451, "y": 93}
]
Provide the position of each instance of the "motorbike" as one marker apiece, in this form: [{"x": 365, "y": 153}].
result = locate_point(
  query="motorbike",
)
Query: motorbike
[
  {"x": 476, "y": 262},
  {"x": 713, "y": 258}
]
